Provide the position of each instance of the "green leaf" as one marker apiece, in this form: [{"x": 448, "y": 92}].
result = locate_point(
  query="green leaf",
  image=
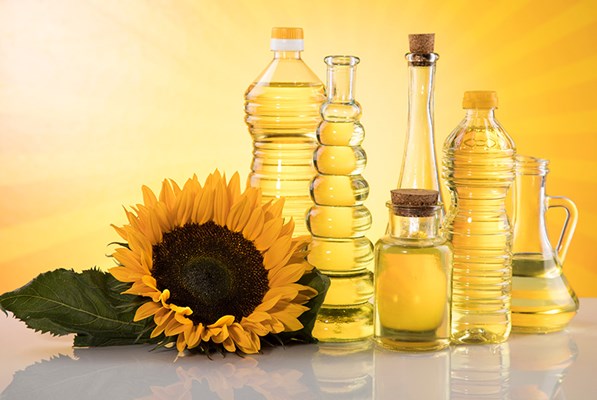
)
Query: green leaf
[
  {"x": 88, "y": 304},
  {"x": 321, "y": 283}
]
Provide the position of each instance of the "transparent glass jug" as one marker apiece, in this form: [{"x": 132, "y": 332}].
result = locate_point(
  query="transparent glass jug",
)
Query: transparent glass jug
[{"x": 542, "y": 299}]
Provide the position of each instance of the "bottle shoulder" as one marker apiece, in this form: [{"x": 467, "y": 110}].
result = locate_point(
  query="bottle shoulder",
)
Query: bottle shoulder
[
  {"x": 438, "y": 243},
  {"x": 287, "y": 72},
  {"x": 481, "y": 134}
]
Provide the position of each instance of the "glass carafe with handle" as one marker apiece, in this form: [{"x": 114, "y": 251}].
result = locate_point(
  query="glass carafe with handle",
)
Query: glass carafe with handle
[{"x": 542, "y": 299}]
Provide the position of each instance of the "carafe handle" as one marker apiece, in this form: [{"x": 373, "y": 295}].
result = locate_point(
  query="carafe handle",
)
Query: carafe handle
[{"x": 569, "y": 224}]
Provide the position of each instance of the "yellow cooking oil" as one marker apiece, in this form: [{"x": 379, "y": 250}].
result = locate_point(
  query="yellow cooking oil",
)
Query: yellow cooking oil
[
  {"x": 478, "y": 167},
  {"x": 542, "y": 300},
  {"x": 282, "y": 118},
  {"x": 338, "y": 220},
  {"x": 412, "y": 297}
]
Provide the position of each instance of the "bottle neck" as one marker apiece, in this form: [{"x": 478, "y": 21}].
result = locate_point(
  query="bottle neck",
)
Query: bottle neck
[
  {"x": 528, "y": 218},
  {"x": 403, "y": 225},
  {"x": 340, "y": 105},
  {"x": 341, "y": 75},
  {"x": 478, "y": 116},
  {"x": 419, "y": 166},
  {"x": 286, "y": 54}
]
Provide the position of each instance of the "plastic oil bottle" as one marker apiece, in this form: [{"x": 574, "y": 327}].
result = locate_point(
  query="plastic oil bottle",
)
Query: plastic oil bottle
[
  {"x": 282, "y": 113},
  {"x": 478, "y": 167}
]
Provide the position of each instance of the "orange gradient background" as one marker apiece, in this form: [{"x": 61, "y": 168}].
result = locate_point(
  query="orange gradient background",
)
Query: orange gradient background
[{"x": 98, "y": 97}]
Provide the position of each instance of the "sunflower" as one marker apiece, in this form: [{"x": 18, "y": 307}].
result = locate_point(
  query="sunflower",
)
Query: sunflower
[{"x": 216, "y": 265}]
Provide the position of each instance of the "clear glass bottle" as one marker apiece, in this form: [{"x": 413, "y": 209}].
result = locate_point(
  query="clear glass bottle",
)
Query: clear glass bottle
[
  {"x": 479, "y": 169},
  {"x": 542, "y": 299},
  {"x": 412, "y": 275},
  {"x": 338, "y": 220},
  {"x": 282, "y": 113},
  {"x": 419, "y": 165}
]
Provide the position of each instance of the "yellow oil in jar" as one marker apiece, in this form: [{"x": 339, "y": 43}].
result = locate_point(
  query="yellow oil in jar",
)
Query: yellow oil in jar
[{"x": 412, "y": 297}]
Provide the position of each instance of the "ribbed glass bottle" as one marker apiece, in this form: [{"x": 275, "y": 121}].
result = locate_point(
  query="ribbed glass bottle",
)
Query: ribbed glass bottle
[
  {"x": 282, "y": 112},
  {"x": 479, "y": 169},
  {"x": 338, "y": 220}
]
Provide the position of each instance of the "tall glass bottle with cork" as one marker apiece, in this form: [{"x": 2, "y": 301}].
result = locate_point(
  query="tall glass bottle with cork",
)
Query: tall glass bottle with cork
[
  {"x": 282, "y": 113},
  {"x": 338, "y": 220},
  {"x": 478, "y": 167},
  {"x": 419, "y": 166}
]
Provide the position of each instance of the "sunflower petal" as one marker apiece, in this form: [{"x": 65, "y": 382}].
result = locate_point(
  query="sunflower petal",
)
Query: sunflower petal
[
  {"x": 242, "y": 339},
  {"x": 221, "y": 205},
  {"x": 234, "y": 215},
  {"x": 184, "y": 206},
  {"x": 129, "y": 259},
  {"x": 271, "y": 230},
  {"x": 175, "y": 187},
  {"x": 288, "y": 274},
  {"x": 194, "y": 336},
  {"x": 161, "y": 319},
  {"x": 244, "y": 216},
  {"x": 291, "y": 324},
  {"x": 146, "y": 310},
  {"x": 274, "y": 209},
  {"x": 254, "y": 225},
  {"x": 174, "y": 327},
  {"x": 124, "y": 274},
  {"x": 278, "y": 252},
  {"x": 120, "y": 231},
  {"x": 266, "y": 305},
  {"x": 288, "y": 228},
  {"x": 226, "y": 320},
  {"x": 206, "y": 205},
  {"x": 141, "y": 289},
  {"x": 234, "y": 188},
  {"x": 287, "y": 292},
  {"x": 255, "y": 327},
  {"x": 149, "y": 198},
  {"x": 167, "y": 195},
  {"x": 181, "y": 344}
]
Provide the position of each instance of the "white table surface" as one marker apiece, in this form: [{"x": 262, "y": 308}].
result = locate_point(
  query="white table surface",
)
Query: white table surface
[{"x": 531, "y": 367}]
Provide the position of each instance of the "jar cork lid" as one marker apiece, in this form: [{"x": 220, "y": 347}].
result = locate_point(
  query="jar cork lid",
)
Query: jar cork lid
[
  {"x": 421, "y": 43},
  {"x": 483, "y": 99},
  {"x": 414, "y": 202}
]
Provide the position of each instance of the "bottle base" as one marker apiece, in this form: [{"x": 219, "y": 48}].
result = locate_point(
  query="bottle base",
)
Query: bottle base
[
  {"x": 410, "y": 346},
  {"x": 345, "y": 324},
  {"x": 540, "y": 323},
  {"x": 476, "y": 336}
]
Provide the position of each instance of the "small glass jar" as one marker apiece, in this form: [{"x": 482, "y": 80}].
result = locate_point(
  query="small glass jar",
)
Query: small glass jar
[{"x": 412, "y": 275}]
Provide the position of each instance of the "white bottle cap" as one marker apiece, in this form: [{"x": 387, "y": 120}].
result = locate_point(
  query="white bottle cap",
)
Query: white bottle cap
[{"x": 287, "y": 39}]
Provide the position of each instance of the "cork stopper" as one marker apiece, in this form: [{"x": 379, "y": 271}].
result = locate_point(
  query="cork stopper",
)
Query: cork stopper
[
  {"x": 483, "y": 99},
  {"x": 414, "y": 202},
  {"x": 421, "y": 43},
  {"x": 287, "y": 33}
]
